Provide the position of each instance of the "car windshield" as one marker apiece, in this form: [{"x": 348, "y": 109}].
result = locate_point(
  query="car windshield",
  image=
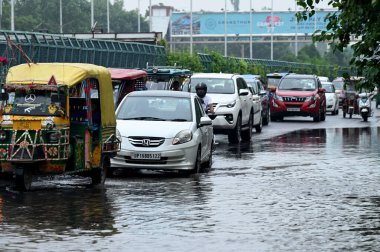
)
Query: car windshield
[
  {"x": 33, "y": 102},
  {"x": 274, "y": 81},
  {"x": 214, "y": 85},
  {"x": 328, "y": 88},
  {"x": 338, "y": 84},
  {"x": 153, "y": 108},
  {"x": 306, "y": 84}
]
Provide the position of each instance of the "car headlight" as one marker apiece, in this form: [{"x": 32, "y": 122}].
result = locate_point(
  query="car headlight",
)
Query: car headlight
[
  {"x": 230, "y": 104},
  {"x": 279, "y": 98},
  {"x": 183, "y": 136},
  {"x": 310, "y": 98}
]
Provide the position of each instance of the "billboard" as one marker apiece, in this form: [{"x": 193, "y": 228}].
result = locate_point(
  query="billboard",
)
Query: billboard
[{"x": 263, "y": 23}]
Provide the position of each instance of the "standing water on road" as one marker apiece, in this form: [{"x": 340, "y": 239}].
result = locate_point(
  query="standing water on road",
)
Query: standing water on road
[{"x": 309, "y": 190}]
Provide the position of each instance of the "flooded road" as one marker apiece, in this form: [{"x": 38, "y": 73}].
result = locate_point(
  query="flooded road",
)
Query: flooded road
[{"x": 302, "y": 190}]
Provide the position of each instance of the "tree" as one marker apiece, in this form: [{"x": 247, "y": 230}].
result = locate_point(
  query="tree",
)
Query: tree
[
  {"x": 353, "y": 19},
  {"x": 76, "y": 16}
]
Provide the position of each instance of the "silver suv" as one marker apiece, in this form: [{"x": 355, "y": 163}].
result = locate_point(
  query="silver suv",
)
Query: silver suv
[{"x": 232, "y": 101}]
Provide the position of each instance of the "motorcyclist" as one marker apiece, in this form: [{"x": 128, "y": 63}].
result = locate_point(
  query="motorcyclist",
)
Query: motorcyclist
[{"x": 201, "y": 91}]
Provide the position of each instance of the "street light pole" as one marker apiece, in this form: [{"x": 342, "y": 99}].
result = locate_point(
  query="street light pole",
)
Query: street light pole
[
  {"x": 250, "y": 29},
  {"x": 138, "y": 16},
  {"x": 150, "y": 15},
  {"x": 191, "y": 27},
  {"x": 108, "y": 16},
  {"x": 296, "y": 38},
  {"x": 271, "y": 32},
  {"x": 92, "y": 14},
  {"x": 60, "y": 17},
  {"x": 12, "y": 15},
  {"x": 225, "y": 28}
]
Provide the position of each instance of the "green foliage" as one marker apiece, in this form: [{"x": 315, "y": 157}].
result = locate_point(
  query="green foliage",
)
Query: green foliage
[
  {"x": 76, "y": 16},
  {"x": 353, "y": 19},
  {"x": 186, "y": 60}
]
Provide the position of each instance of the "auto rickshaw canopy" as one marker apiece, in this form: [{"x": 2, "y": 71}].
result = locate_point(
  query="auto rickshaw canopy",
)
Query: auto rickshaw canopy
[
  {"x": 67, "y": 74},
  {"x": 126, "y": 74}
]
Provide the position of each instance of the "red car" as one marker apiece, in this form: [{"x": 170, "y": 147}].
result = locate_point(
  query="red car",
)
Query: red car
[{"x": 299, "y": 95}]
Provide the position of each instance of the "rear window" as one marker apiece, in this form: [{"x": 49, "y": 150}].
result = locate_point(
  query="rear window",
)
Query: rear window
[{"x": 214, "y": 85}]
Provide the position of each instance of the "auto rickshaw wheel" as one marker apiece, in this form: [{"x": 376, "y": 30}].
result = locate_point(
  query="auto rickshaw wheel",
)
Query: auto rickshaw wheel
[
  {"x": 24, "y": 178},
  {"x": 98, "y": 175}
]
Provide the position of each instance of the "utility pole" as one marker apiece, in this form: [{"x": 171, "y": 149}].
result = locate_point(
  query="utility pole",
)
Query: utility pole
[
  {"x": 60, "y": 17},
  {"x": 191, "y": 27}
]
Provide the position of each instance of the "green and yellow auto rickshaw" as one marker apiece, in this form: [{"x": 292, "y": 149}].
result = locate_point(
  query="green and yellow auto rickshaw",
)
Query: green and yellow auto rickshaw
[{"x": 57, "y": 118}]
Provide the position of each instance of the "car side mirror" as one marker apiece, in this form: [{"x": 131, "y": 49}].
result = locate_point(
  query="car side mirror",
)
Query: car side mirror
[
  {"x": 243, "y": 92},
  {"x": 272, "y": 89},
  {"x": 263, "y": 92},
  {"x": 205, "y": 120}
]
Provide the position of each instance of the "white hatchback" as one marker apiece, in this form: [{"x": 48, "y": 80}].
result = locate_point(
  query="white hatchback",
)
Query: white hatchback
[{"x": 163, "y": 130}]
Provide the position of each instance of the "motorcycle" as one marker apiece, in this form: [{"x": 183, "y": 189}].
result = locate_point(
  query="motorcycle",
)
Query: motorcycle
[
  {"x": 365, "y": 106},
  {"x": 350, "y": 104}
]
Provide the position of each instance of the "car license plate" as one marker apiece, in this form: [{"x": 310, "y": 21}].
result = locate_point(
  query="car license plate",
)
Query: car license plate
[
  {"x": 147, "y": 156},
  {"x": 293, "y": 109}
]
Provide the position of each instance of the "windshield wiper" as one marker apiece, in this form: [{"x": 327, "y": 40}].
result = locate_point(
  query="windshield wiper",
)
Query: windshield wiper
[
  {"x": 148, "y": 118},
  {"x": 179, "y": 120}
]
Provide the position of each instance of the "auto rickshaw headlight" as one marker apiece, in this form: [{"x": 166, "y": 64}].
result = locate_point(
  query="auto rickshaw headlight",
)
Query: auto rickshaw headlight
[
  {"x": 50, "y": 125},
  {"x": 53, "y": 137},
  {"x": 3, "y": 135}
]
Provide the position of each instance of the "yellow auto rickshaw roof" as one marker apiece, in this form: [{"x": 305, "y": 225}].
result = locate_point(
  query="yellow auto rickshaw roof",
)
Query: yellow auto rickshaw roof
[
  {"x": 65, "y": 73},
  {"x": 68, "y": 74}
]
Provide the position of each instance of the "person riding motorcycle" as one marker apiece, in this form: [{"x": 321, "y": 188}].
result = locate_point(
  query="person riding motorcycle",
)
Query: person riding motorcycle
[{"x": 201, "y": 91}]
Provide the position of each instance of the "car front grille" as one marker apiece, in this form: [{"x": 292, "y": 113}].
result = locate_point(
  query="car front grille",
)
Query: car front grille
[
  {"x": 293, "y": 99},
  {"x": 143, "y": 141},
  {"x": 129, "y": 160}
]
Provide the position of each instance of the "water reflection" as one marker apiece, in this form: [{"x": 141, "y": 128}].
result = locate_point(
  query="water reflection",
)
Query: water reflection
[
  {"x": 57, "y": 212},
  {"x": 309, "y": 190}
]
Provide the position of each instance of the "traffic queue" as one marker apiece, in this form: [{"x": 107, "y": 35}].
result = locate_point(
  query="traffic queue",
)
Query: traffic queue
[{"x": 84, "y": 119}]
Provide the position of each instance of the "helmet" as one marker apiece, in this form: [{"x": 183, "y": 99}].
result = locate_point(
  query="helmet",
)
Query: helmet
[{"x": 201, "y": 89}]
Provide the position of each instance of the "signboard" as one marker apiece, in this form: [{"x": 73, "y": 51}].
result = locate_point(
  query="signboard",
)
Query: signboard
[
  {"x": 52, "y": 81},
  {"x": 212, "y": 23}
]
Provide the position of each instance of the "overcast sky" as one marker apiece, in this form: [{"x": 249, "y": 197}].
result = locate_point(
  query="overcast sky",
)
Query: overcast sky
[{"x": 216, "y": 5}]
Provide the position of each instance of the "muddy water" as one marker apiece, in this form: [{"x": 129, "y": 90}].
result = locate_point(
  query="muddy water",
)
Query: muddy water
[{"x": 316, "y": 190}]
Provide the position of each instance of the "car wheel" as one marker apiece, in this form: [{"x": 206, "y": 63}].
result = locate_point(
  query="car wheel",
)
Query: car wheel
[
  {"x": 323, "y": 116},
  {"x": 235, "y": 135},
  {"x": 24, "y": 178},
  {"x": 259, "y": 127},
  {"x": 206, "y": 167},
  {"x": 246, "y": 135},
  {"x": 197, "y": 165},
  {"x": 317, "y": 118},
  {"x": 98, "y": 175},
  {"x": 337, "y": 111},
  {"x": 266, "y": 118}
]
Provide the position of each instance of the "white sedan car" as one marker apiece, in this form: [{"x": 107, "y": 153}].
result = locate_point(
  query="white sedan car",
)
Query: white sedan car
[
  {"x": 163, "y": 130},
  {"x": 332, "y": 98}
]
